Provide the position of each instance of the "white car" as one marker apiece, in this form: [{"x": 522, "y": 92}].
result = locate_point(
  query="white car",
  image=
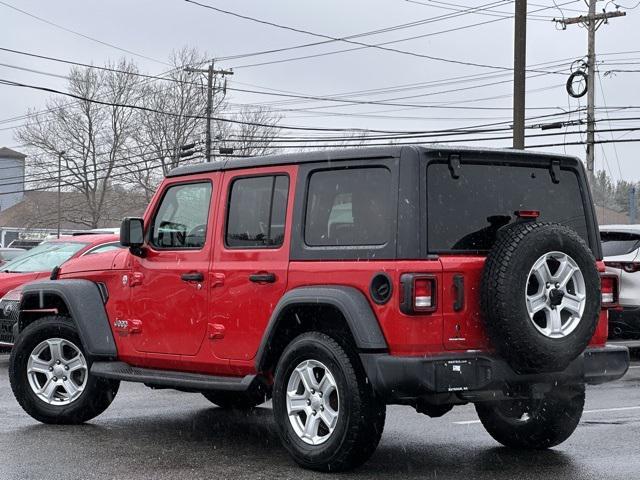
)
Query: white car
[{"x": 621, "y": 251}]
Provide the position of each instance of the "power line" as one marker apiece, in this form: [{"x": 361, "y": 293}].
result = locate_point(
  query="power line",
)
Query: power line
[
  {"x": 329, "y": 37},
  {"x": 82, "y": 34},
  {"x": 362, "y": 34},
  {"x": 382, "y": 44}
]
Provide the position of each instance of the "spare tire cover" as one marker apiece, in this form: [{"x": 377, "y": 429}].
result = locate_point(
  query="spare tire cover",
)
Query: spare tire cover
[{"x": 540, "y": 296}]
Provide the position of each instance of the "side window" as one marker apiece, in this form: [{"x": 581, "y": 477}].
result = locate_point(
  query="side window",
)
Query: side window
[
  {"x": 348, "y": 207},
  {"x": 104, "y": 248},
  {"x": 181, "y": 220},
  {"x": 257, "y": 211}
]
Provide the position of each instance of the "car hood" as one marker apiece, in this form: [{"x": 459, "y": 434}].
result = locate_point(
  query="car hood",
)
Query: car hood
[
  {"x": 110, "y": 260},
  {"x": 9, "y": 281}
]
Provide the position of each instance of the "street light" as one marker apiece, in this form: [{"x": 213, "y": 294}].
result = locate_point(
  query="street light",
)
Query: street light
[{"x": 60, "y": 155}]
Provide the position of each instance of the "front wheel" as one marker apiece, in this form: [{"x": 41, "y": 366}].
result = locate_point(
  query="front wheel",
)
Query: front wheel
[
  {"x": 49, "y": 372},
  {"x": 327, "y": 414},
  {"x": 534, "y": 424}
]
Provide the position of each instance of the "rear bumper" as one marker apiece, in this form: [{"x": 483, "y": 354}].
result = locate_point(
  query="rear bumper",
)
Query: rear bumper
[
  {"x": 471, "y": 375},
  {"x": 625, "y": 323}
]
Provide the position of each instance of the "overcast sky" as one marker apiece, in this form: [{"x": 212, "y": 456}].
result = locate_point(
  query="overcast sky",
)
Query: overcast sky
[{"x": 154, "y": 28}]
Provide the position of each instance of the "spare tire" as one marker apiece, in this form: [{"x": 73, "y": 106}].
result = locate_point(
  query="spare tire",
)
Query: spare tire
[{"x": 540, "y": 296}]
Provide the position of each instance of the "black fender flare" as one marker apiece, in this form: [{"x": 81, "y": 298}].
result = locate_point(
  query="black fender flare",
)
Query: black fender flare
[
  {"x": 351, "y": 302},
  {"x": 86, "y": 307}
]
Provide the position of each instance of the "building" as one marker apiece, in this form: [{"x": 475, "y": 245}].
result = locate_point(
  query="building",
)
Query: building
[
  {"x": 32, "y": 215},
  {"x": 11, "y": 177}
]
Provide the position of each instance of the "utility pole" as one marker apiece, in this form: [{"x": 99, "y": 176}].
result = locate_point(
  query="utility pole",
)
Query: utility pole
[
  {"x": 519, "y": 72},
  {"x": 211, "y": 74},
  {"x": 632, "y": 205},
  {"x": 60, "y": 155},
  {"x": 591, "y": 22}
]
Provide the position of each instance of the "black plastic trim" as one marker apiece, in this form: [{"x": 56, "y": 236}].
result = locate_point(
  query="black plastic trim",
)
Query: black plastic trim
[
  {"x": 84, "y": 301},
  {"x": 402, "y": 379},
  {"x": 360, "y": 318},
  {"x": 374, "y": 294},
  {"x": 171, "y": 378}
]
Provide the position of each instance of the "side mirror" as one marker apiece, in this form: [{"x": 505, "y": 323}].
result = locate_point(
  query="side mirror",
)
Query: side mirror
[{"x": 132, "y": 232}]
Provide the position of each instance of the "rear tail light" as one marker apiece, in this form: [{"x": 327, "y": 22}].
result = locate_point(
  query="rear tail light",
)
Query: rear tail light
[
  {"x": 609, "y": 290},
  {"x": 418, "y": 293},
  {"x": 629, "y": 267},
  {"x": 527, "y": 213}
]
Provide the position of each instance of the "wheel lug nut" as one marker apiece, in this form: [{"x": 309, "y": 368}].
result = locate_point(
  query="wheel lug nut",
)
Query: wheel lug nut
[
  {"x": 557, "y": 285},
  {"x": 548, "y": 285},
  {"x": 308, "y": 402},
  {"x": 64, "y": 379},
  {"x": 66, "y": 367},
  {"x": 322, "y": 408},
  {"x": 320, "y": 394},
  {"x": 55, "y": 379},
  {"x": 51, "y": 369},
  {"x": 313, "y": 391},
  {"x": 314, "y": 413},
  {"x": 57, "y": 362}
]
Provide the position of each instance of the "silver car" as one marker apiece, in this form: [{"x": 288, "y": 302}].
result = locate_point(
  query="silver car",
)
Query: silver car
[{"x": 621, "y": 250}]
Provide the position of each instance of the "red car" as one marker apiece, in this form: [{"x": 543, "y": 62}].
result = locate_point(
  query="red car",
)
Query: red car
[
  {"x": 337, "y": 283},
  {"x": 38, "y": 262}
]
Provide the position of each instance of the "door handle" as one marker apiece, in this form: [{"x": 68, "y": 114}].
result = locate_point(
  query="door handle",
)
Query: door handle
[
  {"x": 458, "y": 285},
  {"x": 192, "y": 277},
  {"x": 261, "y": 277}
]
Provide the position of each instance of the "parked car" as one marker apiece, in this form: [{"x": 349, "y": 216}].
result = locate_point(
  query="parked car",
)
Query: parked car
[
  {"x": 25, "y": 244},
  {"x": 621, "y": 250},
  {"x": 339, "y": 282},
  {"x": 38, "y": 263},
  {"x": 7, "y": 254}
]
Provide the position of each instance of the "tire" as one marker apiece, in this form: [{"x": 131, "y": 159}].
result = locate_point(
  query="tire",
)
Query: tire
[
  {"x": 550, "y": 422},
  {"x": 236, "y": 400},
  {"x": 518, "y": 279},
  {"x": 359, "y": 415},
  {"x": 96, "y": 395}
]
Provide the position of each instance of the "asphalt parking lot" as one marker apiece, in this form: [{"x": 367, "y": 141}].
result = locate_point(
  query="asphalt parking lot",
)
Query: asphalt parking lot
[{"x": 148, "y": 434}]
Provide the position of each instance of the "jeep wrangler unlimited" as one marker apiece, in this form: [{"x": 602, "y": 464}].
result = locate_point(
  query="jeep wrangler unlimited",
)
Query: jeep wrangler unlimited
[{"x": 336, "y": 283}]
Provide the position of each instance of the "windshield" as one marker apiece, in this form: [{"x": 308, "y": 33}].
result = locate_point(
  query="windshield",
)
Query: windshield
[
  {"x": 619, "y": 243},
  {"x": 10, "y": 254},
  {"x": 43, "y": 257}
]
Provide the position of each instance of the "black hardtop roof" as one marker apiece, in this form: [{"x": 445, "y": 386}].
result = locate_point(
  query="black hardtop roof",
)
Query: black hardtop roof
[{"x": 363, "y": 153}]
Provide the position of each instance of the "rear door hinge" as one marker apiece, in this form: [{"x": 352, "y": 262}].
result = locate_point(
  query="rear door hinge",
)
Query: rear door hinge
[
  {"x": 554, "y": 170},
  {"x": 454, "y": 165}
]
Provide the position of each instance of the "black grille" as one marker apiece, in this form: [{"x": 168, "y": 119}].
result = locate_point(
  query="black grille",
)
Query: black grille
[{"x": 8, "y": 317}]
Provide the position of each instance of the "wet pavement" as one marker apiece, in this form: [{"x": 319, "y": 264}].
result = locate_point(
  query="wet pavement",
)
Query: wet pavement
[{"x": 163, "y": 434}]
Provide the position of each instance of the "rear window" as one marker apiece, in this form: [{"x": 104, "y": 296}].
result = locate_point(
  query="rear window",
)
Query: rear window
[
  {"x": 619, "y": 243},
  {"x": 349, "y": 207},
  {"x": 464, "y": 214}
]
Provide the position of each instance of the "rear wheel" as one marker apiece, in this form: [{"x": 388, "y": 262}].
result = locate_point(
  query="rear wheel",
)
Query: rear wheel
[
  {"x": 327, "y": 414},
  {"x": 49, "y": 373},
  {"x": 534, "y": 424}
]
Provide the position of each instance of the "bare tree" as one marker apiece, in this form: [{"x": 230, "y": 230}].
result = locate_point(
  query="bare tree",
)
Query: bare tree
[
  {"x": 253, "y": 134},
  {"x": 159, "y": 136},
  {"x": 94, "y": 136}
]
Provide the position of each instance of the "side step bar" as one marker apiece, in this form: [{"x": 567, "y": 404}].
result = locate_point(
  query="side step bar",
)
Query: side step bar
[{"x": 169, "y": 378}]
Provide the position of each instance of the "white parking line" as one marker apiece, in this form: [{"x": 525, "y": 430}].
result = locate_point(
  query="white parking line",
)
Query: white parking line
[
  {"x": 597, "y": 410},
  {"x": 635, "y": 366}
]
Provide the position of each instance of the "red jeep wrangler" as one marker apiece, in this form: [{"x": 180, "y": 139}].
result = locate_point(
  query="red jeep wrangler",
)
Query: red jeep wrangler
[{"x": 335, "y": 283}]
